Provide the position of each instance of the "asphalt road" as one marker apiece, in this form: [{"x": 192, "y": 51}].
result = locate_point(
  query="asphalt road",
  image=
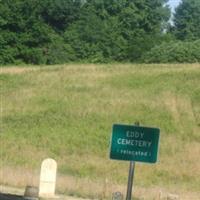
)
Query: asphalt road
[
  {"x": 9, "y": 193},
  {"x": 10, "y": 197}
]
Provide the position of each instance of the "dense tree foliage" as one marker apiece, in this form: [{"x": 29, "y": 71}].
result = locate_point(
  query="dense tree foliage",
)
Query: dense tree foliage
[
  {"x": 187, "y": 20},
  {"x": 59, "y": 31}
]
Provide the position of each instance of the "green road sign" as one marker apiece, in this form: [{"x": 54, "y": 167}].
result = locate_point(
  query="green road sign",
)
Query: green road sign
[{"x": 134, "y": 143}]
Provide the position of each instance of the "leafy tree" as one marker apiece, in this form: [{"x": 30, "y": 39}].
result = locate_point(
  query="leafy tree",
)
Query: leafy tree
[
  {"x": 60, "y": 13},
  {"x": 26, "y": 36},
  {"x": 187, "y": 20},
  {"x": 95, "y": 37},
  {"x": 142, "y": 23},
  {"x": 117, "y": 30}
]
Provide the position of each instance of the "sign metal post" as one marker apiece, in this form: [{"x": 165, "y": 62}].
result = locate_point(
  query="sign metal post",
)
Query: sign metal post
[
  {"x": 131, "y": 176},
  {"x": 130, "y": 180}
]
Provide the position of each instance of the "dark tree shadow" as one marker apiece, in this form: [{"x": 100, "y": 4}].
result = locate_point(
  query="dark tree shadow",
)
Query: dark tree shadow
[{"x": 10, "y": 197}]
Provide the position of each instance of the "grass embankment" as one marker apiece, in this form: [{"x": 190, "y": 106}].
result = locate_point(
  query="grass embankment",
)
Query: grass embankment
[{"x": 67, "y": 112}]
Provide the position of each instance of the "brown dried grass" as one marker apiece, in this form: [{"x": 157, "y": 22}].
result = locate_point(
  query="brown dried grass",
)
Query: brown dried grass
[{"x": 17, "y": 70}]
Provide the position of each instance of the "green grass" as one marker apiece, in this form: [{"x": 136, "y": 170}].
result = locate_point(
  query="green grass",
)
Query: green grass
[{"x": 67, "y": 112}]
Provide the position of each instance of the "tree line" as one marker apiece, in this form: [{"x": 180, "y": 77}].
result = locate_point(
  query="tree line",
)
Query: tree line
[{"x": 98, "y": 31}]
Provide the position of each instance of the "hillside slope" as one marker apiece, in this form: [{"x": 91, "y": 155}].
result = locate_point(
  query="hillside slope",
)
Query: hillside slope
[{"x": 66, "y": 112}]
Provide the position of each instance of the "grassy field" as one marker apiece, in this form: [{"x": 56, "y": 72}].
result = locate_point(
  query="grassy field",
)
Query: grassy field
[{"x": 66, "y": 112}]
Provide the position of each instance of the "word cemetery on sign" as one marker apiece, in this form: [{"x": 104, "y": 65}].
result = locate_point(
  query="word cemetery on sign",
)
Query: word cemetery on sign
[{"x": 134, "y": 143}]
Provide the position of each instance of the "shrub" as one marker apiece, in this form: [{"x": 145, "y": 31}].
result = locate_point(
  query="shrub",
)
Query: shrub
[{"x": 174, "y": 52}]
